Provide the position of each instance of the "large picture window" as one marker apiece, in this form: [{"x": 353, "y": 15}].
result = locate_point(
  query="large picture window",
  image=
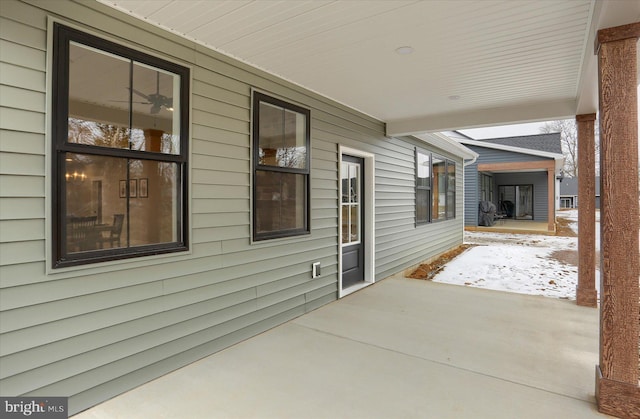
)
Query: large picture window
[
  {"x": 120, "y": 128},
  {"x": 281, "y": 143},
  {"x": 435, "y": 188}
]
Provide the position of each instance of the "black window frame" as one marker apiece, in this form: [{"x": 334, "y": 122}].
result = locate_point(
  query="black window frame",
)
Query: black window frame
[
  {"x": 257, "y": 98},
  {"x": 62, "y": 37},
  {"x": 447, "y": 162},
  {"x": 447, "y": 192}
]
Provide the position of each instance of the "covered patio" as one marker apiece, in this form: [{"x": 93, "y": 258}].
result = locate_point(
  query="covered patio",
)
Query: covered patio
[
  {"x": 436, "y": 66},
  {"x": 401, "y": 348},
  {"x": 376, "y": 78}
]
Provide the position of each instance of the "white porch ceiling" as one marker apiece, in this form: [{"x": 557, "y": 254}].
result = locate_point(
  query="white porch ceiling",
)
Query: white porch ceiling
[{"x": 475, "y": 62}]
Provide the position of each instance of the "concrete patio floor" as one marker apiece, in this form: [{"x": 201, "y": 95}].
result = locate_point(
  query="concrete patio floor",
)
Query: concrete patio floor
[{"x": 401, "y": 348}]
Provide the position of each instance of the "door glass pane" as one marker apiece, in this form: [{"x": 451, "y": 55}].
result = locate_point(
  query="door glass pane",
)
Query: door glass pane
[
  {"x": 345, "y": 224},
  {"x": 354, "y": 183},
  {"x": 355, "y": 223},
  {"x": 344, "y": 175}
]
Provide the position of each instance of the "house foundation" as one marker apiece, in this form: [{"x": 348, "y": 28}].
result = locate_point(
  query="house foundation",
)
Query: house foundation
[{"x": 617, "y": 388}]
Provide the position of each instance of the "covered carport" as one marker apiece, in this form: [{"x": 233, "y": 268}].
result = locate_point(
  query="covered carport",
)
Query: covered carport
[{"x": 441, "y": 65}]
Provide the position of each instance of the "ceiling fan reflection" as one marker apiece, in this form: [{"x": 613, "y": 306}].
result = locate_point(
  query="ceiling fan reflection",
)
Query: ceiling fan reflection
[{"x": 156, "y": 100}]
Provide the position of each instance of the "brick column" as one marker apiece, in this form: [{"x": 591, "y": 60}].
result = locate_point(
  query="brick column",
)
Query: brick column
[
  {"x": 586, "y": 294},
  {"x": 617, "y": 389}
]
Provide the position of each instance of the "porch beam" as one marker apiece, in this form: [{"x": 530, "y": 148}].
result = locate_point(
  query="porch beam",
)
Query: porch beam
[
  {"x": 586, "y": 294},
  {"x": 617, "y": 51}
]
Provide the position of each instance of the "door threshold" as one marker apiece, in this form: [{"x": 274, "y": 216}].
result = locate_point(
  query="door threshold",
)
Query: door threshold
[{"x": 354, "y": 288}]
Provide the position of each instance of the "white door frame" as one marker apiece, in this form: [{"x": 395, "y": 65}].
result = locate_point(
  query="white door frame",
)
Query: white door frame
[{"x": 369, "y": 219}]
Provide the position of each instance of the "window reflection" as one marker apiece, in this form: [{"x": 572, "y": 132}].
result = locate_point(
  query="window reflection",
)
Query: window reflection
[
  {"x": 282, "y": 137},
  {"x": 119, "y": 103},
  {"x": 107, "y": 209},
  {"x": 280, "y": 201}
]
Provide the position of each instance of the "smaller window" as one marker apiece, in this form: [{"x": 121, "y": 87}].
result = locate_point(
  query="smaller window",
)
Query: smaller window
[
  {"x": 435, "y": 188},
  {"x": 281, "y": 167}
]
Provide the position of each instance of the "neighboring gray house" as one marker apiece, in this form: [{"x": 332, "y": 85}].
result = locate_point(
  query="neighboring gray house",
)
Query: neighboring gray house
[
  {"x": 569, "y": 192},
  {"x": 161, "y": 201},
  {"x": 520, "y": 175}
]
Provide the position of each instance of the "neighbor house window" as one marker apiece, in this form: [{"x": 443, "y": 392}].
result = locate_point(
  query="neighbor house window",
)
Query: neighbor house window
[
  {"x": 435, "y": 188},
  {"x": 486, "y": 189},
  {"x": 281, "y": 144},
  {"x": 120, "y": 129},
  {"x": 423, "y": 187}
]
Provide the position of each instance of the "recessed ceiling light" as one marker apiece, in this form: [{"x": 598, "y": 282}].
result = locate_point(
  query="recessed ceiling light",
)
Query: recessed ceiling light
[
  {"x": 454, "y": 97},
  {"x": 404, "y": 50}
]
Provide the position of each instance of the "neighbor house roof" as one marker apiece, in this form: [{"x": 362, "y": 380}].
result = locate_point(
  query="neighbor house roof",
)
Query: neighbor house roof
[
  {"x": 558, "y": 157},
  {"x": 448, "y": 144},
  {"x": 569, "y": 186},
  {"x": 542, "y": 142}
]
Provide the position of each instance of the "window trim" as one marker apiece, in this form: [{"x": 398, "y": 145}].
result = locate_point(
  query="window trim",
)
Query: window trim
[
  {"x": 257, "y": 98},
  {"x": 62, "y": 37}
]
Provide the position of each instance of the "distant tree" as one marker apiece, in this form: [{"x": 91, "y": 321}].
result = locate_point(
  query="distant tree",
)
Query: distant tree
[{"x": 569, "y": 140}]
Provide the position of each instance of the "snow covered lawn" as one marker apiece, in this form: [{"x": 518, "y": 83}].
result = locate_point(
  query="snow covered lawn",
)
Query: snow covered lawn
[{"x": 522, "y": 263}]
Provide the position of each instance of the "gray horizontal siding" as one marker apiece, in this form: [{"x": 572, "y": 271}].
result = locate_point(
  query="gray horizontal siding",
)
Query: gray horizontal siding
[
  {"x": 471, "y": 194},
  {"x": 96, "y": 331},
  {"x": 399, "y": 242}
]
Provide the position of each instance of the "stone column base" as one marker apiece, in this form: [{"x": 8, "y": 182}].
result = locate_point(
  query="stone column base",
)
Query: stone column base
[
  {"x": 616, "y": 398},
  {"x": 587, "y": 297}
]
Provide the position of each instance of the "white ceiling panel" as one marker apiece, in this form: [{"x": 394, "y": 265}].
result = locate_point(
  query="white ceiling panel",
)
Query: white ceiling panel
[{"x": 471, "y": 58}]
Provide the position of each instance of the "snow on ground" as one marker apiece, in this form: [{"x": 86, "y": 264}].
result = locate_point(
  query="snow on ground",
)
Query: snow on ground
[{"x": 521, "y": 263}]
